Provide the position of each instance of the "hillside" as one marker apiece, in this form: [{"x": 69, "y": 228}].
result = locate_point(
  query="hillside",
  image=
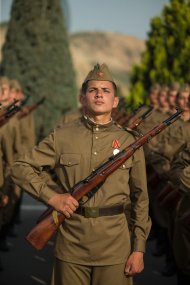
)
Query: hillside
[{"x": 119, "y": 51}]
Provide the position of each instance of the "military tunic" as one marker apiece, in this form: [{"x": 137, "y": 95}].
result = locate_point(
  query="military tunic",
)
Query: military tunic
[
  {"x": 27, "y": 132},
  {"x": 74, "y": 150},
  {"x": 180, "y": 176}
]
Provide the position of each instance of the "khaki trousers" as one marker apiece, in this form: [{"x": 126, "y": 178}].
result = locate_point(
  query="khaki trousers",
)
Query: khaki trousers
[{"x": 65, "y": 273}]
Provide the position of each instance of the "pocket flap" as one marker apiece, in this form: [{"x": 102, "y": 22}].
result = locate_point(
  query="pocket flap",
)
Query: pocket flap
[{"x": 70, "y": 159}]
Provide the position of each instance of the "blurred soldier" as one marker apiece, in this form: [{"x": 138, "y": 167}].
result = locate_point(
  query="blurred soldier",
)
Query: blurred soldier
[
  {"x": 6, "y": 160},
  {"x": 180, "y": 177},
  {"x": 15, "y": 143},
  {"x": 26, "y": 124},
  {"x": 172, "y": 94},
  {"x": 92, "y": 249}
]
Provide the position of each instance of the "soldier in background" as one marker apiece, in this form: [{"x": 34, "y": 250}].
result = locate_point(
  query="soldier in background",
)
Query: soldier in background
[
  {"x": 172, "y": 94},
  {"x": 6, "y": 153},
  {"x": 180, "y": 177}
]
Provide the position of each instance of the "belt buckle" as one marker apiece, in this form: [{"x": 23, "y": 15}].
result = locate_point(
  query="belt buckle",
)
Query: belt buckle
[{"x": 92, "y": 212}]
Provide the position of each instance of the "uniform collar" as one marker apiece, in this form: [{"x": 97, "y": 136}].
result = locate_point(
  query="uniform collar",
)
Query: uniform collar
[{"x": 94, "y": 126}]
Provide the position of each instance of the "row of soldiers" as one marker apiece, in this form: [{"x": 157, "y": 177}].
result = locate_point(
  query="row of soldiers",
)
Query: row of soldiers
[
  {"x": 168, "y": 171},
  {"x": 17, "y": 134}
]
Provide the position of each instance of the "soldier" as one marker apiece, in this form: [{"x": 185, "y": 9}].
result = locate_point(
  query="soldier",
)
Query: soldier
[
  {"x": 180, "y": 177},
  {"x": 6, "y": 160},
  {"x": 96, "y": 249},
  {"x": 13, "y": 134},
  {"x": 173, "y": 91}
]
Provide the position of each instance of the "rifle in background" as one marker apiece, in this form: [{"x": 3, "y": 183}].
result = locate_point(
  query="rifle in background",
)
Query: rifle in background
[
  {"x": 28, "y": 109},
  {"x": 9, "y": 112},
  {"x": 133, "y": 125},
  {"x": 122, "y": 121}
]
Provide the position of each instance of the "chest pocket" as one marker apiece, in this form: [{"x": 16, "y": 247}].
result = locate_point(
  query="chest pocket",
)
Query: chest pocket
[{"x": 69, "y": 159}]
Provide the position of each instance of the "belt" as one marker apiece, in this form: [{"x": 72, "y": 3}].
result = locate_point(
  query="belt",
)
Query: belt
[{"x": 95, "y": 212}]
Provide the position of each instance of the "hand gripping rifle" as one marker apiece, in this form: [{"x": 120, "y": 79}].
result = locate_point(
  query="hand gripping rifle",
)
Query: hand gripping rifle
[{"x": 42, "y": 232}]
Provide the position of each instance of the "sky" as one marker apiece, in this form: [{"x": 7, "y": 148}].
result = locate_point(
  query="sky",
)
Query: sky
[{"x": 131, "y": 17}]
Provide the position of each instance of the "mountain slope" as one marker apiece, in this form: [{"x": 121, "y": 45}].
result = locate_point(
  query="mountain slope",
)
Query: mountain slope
[{"x": 118, "y": 51}]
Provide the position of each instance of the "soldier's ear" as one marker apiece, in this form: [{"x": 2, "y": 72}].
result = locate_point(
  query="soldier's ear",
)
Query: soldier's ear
[
  {"x": 82, "y": 99},
  {"x": 116, "y": 102}
]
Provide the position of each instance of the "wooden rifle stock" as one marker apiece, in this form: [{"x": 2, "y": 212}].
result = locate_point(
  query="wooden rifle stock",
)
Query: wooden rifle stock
[{"x": 42, "y": 232}]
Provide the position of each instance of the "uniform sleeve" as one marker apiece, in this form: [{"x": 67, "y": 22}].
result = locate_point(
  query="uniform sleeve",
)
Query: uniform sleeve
[
  {"x": 28, "y": 171},
  {"x": 180, "y": 171},
  {"x": 140, "y": 219}
]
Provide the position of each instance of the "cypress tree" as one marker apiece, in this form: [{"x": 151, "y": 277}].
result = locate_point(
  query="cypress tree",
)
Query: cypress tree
[
  {"x": 36, "y": 52},
  {"x": 166, "y": 58}
]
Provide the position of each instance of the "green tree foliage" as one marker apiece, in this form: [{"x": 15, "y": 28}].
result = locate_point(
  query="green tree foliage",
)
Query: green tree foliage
[
  {"x": 166, "y": 58},
  {"x": 36, "y": 52}
]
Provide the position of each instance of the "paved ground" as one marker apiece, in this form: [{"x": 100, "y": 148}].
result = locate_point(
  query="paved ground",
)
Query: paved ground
[{"x": 24, "y": 265}]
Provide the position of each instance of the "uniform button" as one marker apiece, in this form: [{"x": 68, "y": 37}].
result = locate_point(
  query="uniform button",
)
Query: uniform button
[
  {"x": 96, "y": 137},
  {"x": 123, "y": 166},
  {"x": 95, "y": 153},
  {"x": 97, "y": 129},
  {"x": 69, "y": 163}
]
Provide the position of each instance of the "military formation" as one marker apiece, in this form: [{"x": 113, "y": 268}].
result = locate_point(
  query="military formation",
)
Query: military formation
[
  {"x": 17, "y": 134},
  {"x": 168, "y": 176},
  {"x": 167, "y": 158}
]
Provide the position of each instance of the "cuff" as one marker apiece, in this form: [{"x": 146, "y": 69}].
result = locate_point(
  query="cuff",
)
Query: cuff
[
  {"x": 139, "y": 245},
  {"x": 46, "y": 194}
]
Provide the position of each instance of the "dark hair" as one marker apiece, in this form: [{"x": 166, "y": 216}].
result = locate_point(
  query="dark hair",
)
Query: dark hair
[{"x": 85, "y": 86}]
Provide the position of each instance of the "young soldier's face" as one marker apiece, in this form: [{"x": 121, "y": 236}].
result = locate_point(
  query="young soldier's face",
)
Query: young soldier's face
[
  {"x": 100, "y": 98},
  {"x": 183, "y": 100},
  {"x": 5, "y": 94}
]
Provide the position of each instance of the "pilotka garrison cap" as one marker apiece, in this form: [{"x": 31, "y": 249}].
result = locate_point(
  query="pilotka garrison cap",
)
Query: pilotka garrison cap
[{"x": 99, "y": 72}]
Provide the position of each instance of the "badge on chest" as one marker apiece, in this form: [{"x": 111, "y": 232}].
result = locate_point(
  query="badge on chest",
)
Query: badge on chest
[{"x": 115, "y": 145}]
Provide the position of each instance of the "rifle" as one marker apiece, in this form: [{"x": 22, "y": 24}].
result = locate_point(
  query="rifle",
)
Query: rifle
[
  {"x": 120, "y": 114},
  {"x": 8, "y": 107},
  {"x": 10, "y": 111},
  {"x": 125, "y": 119},
  {"x": 27, "y": 110},
  {"x": 141, "y": 119},
  {"x": 42, "y": 232}
]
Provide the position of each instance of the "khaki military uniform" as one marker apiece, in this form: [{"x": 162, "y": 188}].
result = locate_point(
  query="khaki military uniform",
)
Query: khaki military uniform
[
  {"x": 74, "y": 151},
  {"x": 6, "y": 160},
  {"x": 71, "y": 116},
  {"x": 180, "y": 176},
  {"x": 13, "y": 135},
  {"x": 157, "y": 116},
  {"x": 27, "y": 132}
]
